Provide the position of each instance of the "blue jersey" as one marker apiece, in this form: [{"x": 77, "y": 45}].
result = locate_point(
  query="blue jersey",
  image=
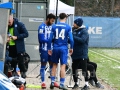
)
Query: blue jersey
[
  {"x": 43, "y": 36},
  {"x": 61, "y": 32}
]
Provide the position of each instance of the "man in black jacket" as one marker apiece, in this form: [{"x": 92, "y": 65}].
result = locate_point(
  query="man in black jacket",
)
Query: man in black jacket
[
  {"x": 17, "y": 32},
  {"x": 80, "y": 52}
]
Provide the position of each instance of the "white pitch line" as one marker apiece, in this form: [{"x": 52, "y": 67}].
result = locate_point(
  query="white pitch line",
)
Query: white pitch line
[{"x": 104, "y": 56}]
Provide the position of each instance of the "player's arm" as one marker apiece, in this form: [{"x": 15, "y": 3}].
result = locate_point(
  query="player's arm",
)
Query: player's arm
[
  {"x": 41, "y": 36},
  {"x": 71, "y": 41},
  {"x": 50, "y": 40},
  {"x": 49, "y": 43}
]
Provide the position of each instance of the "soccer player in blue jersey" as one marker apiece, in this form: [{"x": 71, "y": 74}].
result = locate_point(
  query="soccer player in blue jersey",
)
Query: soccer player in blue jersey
[
  {"x": 43, "y": 36},
  {"x": 61, "y": 33}
]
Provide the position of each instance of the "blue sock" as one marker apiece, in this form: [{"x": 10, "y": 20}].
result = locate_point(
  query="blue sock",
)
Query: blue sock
[
  {"x": 52, "y": 79},
  {"x": 62, "y": 80},
  {"x": 42, "y": 73}
]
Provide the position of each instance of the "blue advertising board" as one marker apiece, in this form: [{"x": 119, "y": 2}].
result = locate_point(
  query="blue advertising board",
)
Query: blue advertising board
[{"x": 103, "y": 31}]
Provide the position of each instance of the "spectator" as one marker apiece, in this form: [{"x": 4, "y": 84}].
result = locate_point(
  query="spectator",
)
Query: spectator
[
  {"x": 80, "y": 52},
  {"x": 43, "y": 36},
  {"x": 92, "y": 67},
  {"x": 60, "y": 33},
  {"x": 18, "y": 32}
]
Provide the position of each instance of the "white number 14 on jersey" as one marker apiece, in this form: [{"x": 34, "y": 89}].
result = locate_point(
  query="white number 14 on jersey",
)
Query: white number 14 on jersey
[{"x": 60, "y": 34}]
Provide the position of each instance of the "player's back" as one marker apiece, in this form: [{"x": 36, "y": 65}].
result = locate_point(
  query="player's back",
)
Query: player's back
[{"x": 60, "y": 32}]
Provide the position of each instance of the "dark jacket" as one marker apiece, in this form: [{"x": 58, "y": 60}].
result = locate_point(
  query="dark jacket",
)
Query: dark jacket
[
  {"x": 81, "y": 39},
  {"x": 21, "y": 32}
]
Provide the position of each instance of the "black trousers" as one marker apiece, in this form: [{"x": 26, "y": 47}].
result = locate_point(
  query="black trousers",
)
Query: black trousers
[
  {"x": 91, "y": 66},
  {"x": 13, "y": 54},
  {"x": 79, "y": 64},
  {"x": 19, "y": 56},
  {"x": 6, "y": 69},
  {"x": 94, "y": 64}
]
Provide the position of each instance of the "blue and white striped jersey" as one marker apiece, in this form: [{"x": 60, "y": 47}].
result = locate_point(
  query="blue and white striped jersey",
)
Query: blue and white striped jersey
[{"x": 43, "y": 36}]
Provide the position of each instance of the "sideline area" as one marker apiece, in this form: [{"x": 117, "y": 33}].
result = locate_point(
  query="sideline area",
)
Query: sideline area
[{"x": 33, "y": 83}]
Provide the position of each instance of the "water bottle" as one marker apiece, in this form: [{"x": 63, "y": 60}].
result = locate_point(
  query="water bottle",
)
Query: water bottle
[{"x": 18, "y": 71}]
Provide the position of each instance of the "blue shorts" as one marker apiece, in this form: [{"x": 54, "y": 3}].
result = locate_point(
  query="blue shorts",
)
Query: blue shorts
[
  {"x": 60, "y": 54},
  {"x": 45, "y": 57}
]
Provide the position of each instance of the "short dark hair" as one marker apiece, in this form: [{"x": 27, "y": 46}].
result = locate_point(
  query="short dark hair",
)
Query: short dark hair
[
  {"x": 62, "y": 16},
  {"x": 50, "y": 16}
]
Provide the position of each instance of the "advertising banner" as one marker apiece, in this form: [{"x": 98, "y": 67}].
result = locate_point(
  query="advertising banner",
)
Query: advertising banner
[{"x": 103, "y": 31}]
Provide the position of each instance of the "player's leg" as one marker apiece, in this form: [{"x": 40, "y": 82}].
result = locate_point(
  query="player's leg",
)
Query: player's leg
[
  {"x": 55, "y": 61},
  {"x": 63, "y": 61},
  {"x": 50, "y": 63},
  {"x": 53, "y": 76},
  {"x": 50, "y": 67},
  {"x": 44, "y": 59}
]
